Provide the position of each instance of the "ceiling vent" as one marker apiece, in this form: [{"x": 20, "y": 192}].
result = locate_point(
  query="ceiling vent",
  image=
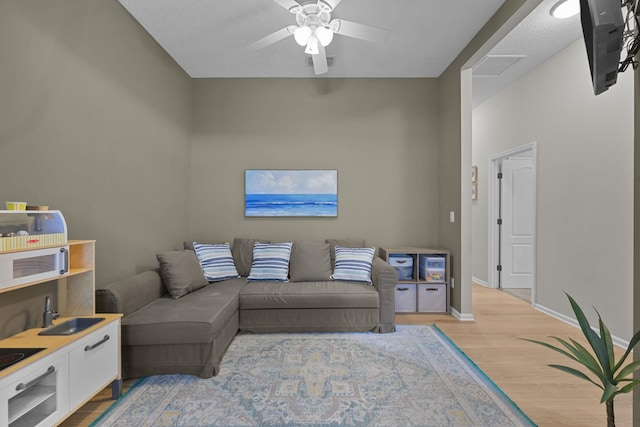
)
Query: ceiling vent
[
  {"x": 494, "y": 65},
  {"x": 330, "y": 60}
]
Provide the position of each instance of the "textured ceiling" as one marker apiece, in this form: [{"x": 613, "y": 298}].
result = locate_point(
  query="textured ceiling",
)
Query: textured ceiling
[
  {"x": 538, "y": 37},
  {"x": 209, "y": 38}
]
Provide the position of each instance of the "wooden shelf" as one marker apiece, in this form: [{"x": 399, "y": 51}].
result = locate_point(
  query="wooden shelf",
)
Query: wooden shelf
[
  {"x": 72, "y": 272},
  {"x": 28, "y": 399},
  {"x": 423, "y": 282},
  {"x": 419, "y": 295},
  {"x": 76, "y": 271}
]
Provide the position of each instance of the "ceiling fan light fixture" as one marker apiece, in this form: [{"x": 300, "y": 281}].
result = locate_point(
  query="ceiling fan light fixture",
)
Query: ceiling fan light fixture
[
  {"x": 312, "y": 46},
  {"x": 324, "y": 35},
  {"x": 565, "y": 9},
  {"x": 302, "y": 35}
]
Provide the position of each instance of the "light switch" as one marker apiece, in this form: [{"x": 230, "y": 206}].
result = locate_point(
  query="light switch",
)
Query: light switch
[{"x": 452, "y": 216}]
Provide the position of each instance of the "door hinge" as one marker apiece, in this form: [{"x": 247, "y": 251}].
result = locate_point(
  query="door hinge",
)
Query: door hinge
[
  {"x": 499, "y": 221},
  {"x": 499, "y": 268},
  {"x": 499, "y": 175}
]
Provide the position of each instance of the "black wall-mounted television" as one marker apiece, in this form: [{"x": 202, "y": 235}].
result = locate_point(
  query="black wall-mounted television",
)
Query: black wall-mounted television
[{"x": 602, "y": 28}]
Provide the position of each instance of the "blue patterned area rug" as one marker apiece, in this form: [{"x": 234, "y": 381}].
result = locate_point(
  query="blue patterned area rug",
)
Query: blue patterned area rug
[{"x": 414, "y": 377}]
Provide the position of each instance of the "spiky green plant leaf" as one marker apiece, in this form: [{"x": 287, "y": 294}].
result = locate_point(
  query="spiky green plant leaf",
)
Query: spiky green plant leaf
[
  {"x": 583, "y": 356},
  {"x": 594, "y": 340},
  {"x": 552, "y": 347},
  {"x": 576, "y": 373},
  {"x": 634, "y": 340},
  {"x": 605, "y": 337},
  {"x": 609, "y": 392},
  {"x": 627, "y": 370},
  {"x": 590, "y": 361},
  {"x": 629, "y": 387}
]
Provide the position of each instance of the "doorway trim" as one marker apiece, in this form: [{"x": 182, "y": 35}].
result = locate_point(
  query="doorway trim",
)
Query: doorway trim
[{"x": 494, "y": 205}]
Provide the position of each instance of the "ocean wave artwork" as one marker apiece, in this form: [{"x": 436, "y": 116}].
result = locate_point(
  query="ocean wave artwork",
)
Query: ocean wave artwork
[{"x": 291, "y": 193}]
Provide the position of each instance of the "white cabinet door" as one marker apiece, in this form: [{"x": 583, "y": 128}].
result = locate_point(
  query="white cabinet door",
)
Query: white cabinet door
[
  {"x": 94, "y": 363},
  {"x": 37, "y": 395}
]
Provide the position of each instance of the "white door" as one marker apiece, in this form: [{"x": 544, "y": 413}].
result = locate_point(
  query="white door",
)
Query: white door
[{"x": 517, "y": 256}]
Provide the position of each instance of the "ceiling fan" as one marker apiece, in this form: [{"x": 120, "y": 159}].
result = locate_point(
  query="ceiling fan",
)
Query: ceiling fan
[{"x": 315, "y": 30}]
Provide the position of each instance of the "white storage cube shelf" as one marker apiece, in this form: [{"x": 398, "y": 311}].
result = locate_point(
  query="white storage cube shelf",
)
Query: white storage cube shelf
[{"x": 423, "y": 278}]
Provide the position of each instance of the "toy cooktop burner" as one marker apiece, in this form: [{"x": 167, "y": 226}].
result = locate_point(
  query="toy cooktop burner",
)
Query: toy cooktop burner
[{"x": 10, "y": 356}]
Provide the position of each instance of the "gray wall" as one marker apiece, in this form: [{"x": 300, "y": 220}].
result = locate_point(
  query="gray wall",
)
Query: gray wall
[
  {"x": 104, "y": 114},
  {"x": 94, "y": 121},
  {"x": 584, "y": 183},
  {"x": 380, "y": 134},
  {"x": 455, "y": 153}
]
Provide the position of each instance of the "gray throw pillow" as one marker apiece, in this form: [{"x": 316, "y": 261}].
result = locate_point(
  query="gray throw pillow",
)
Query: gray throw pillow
[
  {"x": 242, "y": 251},
  {"x": 181, "y": 272},
  {"x": 310, "y": 261}
]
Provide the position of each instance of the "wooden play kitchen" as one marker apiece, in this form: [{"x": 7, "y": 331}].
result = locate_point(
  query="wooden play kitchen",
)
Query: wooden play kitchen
[{"x": 47, "y": 373}]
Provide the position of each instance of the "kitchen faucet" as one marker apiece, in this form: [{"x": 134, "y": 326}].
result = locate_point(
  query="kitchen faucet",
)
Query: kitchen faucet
[{"x": 49, "y": 315}]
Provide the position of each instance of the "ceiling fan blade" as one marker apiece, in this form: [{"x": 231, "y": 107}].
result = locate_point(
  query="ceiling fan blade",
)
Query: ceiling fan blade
[
  {"x": 320, "y": 61},
  {"x": 360, "y": 31},
  {"x": 331, "y": 3},
  {"x": 288, "y": 4},
  {"x": 272, "y": 38}
]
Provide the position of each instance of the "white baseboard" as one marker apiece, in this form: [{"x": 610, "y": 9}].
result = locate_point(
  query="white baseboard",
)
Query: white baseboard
[
  {"x": 480, "y": 282},
  {"x": 573, "y": 322},
  {"x": 463, "y": 317}
]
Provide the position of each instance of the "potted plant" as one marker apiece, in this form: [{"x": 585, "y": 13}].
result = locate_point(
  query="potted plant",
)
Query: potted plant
[{"x": 610, "y": 376}]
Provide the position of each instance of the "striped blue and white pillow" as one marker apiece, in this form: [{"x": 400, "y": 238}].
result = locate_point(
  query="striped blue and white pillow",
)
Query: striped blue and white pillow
[
  {"x": 216, "y": 261},
  {"x": 353, "y": 264},
  {"x": 270, "y": 262}
]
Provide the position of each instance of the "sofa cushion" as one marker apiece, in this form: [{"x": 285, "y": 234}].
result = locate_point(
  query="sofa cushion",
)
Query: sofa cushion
[
  {"x": 194, "y": 318},
  {"x": 310, "y": 261},
  {"x": 216, "y": 261},
  {"x": 181, "y": 272},
  {"x": 326, "y": 294},
  {"x": 270, "y": 261},
  {"x": 353, "y": 264},
  {"x": 242, "y": 251}
]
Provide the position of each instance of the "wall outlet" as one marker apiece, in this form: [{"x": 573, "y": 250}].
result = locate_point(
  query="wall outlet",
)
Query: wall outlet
[{"x": 453, "y": 283}]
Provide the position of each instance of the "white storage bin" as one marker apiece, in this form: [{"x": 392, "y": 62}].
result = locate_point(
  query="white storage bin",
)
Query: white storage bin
[
  {"x": 432, "y": 298},
  {"x": 405, "y": 298},
  {"x": 432, "y": 268},
  {"x": 403, "y": 264}
]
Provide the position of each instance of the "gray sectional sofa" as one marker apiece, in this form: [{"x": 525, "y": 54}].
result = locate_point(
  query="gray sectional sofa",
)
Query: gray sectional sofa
[{"x": 189, "y": 334}]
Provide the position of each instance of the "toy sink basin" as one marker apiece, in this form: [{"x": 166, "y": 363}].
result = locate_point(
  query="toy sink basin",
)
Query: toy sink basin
[{"x": 72, "y": 326}]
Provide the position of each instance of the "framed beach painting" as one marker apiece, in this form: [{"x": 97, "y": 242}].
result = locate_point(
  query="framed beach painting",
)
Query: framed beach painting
[{"x": 291, "y": 193}]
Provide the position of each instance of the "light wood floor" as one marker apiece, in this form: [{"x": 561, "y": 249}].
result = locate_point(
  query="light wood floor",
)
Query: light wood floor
[{"x": 549, "y": 397}]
